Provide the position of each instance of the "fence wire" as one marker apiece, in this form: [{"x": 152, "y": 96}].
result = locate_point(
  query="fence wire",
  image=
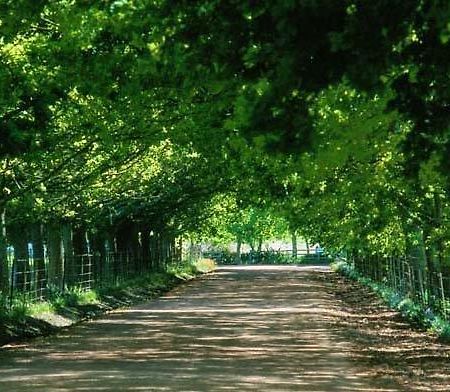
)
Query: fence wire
[
  {"x": 408, "y": 277},
  {"x": 35, "y": 278}
]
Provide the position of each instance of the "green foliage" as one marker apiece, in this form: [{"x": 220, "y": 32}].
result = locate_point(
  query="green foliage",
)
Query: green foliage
[
  {"x": 20, "y": 307},
  {"x": 17, "y": 308},
  {"x": 189, "y": 269},
  {"x": 266, "y": 257},
  {"x": 36, "y": 308},
  {"x": 228, "y": 220},
  {"x": 183, "y": 271},
  {"x": 204, "y": 266},
  {"x": 441, "y": 328},
  {"x": 192, "y": 118},
  {"x": 76, "y": 296},
  {"x": 345, "y": 269}
]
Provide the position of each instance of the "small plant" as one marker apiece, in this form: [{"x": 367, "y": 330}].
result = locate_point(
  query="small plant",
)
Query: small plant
[
  {"x": 205, "y": 265},
  {"x": 19, "y": 309},
  {"x": 40, "y": 307},
  {"x": 75, "y": 296},
  {"x": 86, "y": 297},
  {"x": 441, "y": 327},
  {"x": 182, "y": 270}
]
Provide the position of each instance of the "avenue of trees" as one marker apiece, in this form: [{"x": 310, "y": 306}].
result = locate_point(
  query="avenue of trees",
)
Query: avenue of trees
[{"x": 333, "y": 117}]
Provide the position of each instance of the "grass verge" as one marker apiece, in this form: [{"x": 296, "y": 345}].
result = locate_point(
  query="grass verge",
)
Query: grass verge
[
  {"x": 412, "y": 311},
  {"x": 24, "y": 319}
]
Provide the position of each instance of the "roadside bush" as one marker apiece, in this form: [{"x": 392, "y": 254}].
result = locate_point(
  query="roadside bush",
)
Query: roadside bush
[{"x": 205, "y": 265}]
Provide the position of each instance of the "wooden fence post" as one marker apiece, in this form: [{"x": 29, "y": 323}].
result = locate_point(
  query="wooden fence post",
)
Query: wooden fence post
[
  {"x": 180, "y": 249},
  {"x": 442, "y": 290},
  {"x": 152, "y": 249},
  {"x": 4, "y": 267},
  {"x": 294, "y": 244},
  {"x": 158, "y": 249},
  {"x": 411, "y": 289},
  {"x": 38, "y": 273},
  {"x": 421, "y": 287}
]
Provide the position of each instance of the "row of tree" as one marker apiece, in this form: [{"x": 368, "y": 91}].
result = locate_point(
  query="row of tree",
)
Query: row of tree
[
  {"x": 350, "y": 103},
  {"x": 332, "y": 117}
]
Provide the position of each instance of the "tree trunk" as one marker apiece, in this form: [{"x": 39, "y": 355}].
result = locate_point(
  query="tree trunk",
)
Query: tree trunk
[
  {"x": 21, "y": 263},
  {"x": 162, "y": 249},
  {"x": 238, "y": 249},
  {"x": 55, "y": 256},
  {"x": 431, "y": 274},
  {"x": 294, "y": 244},
  {"x": 192, "y": 255},
  {"x": 152, "y": 250},
  {"x": 107, "y": 271},
  {"x": 81, "y": 259},
  {"x": 145, "y": 246},
  {"x": 438, "y": 242},
  {"x": 68, "y": 255},
  {"x": 123, "y": 239},
  {"x": 174, "y": 251},
  {"x": 431, "y": 265},
  {"x": 158, "y": 250},
  {"x": 98, "y": 250},
  {"x": 260, "y": 242},
  {"x": 136, "y": 249},
  {"x": 179, "y": 246}
]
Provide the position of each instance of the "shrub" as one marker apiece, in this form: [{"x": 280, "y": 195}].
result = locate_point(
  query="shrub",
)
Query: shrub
[
  {"x": 441, "y": 327},
  {"x": 205, "y": 265}
]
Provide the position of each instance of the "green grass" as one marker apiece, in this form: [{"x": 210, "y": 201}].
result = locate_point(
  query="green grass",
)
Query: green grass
[
  {"x": 40, "y": 307},
  {"x": 412, "y": 311},
  {"x": 189, "y": 269},
  {"x": 18, "y": 309}
]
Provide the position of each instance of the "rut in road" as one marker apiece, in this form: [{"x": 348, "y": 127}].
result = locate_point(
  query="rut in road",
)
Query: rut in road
[{"x": 242, "y": 328}]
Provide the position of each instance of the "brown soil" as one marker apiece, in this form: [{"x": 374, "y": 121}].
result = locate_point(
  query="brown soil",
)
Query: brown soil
[{"x": 259, "y": 328}]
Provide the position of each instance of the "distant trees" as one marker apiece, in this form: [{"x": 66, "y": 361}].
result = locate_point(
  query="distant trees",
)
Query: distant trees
[{"x": 227, "y": 220}]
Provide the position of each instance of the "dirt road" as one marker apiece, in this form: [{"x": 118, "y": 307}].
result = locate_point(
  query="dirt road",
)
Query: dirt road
[{"x": 241, "y": 329}]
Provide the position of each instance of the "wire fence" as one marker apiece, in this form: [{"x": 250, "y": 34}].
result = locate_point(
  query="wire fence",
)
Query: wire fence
[
  {"x": 87, "y": 271},
  {"x": 32, "y": 271},
  {"x": 410, "y": 278}
]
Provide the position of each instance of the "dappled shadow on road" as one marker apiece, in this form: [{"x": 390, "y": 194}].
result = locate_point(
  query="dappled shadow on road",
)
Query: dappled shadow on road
[{"x": 264, "y": 329}]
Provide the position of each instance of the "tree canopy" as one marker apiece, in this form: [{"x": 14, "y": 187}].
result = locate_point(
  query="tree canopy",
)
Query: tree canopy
[{"x": 333, "y": 116}]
